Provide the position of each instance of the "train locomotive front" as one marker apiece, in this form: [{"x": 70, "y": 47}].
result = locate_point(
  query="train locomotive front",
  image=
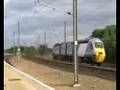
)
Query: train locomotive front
[
  {"x": 95, "y": 49},
  {"x": 91, "y": 48}
]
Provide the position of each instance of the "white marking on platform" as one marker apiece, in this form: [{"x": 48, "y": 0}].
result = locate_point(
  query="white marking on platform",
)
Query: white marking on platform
[{"x": 30, "y": 77}]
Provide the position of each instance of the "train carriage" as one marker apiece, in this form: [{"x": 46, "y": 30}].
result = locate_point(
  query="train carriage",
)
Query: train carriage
[{"x": 91, "y": 48}]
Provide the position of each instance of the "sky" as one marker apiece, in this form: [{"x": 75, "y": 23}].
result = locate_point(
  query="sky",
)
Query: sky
[{"x": 48, "y": 16}]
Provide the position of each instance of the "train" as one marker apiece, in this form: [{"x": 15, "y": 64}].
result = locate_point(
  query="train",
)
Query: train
[{"x": 89, "y": 50}]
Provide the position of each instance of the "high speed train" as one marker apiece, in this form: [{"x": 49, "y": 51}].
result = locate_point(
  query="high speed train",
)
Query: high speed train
[{"x": 88, "y": 50}]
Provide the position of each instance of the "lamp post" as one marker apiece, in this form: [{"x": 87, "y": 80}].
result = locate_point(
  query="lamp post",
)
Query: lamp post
[{"x": 18, "y": 41}]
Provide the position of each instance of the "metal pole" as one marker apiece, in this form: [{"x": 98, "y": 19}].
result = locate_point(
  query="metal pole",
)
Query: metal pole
[
  {"x": 75, "y": 43},
  {"x": 14, "y": 43},
  {"x": 45, "y": 37},
  {"x": 18, "y": 50},
  {"x": 18, "y": 34},
  {"x": 65, "y": 38},
  {"x": 64, "y": 31},
  {"x": 24, "y": 48}
]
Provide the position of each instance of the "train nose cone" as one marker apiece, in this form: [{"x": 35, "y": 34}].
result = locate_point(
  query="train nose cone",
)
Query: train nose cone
[{"x": 100, "y": 57}]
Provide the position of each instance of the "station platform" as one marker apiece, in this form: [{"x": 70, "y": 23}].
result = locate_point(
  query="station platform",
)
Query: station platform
[
  {"x": 12, "y": 81},
  {"x": 59, "y": 78}
]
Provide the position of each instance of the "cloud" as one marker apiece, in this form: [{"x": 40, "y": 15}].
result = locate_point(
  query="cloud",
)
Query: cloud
[{"x": 33, "y": 25}]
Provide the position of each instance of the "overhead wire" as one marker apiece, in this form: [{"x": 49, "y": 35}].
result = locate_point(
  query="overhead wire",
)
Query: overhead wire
[
  {"x": 53, "y": 7},
  {"x": 93, "y": 11},
  {"x": 96, "y": 9},
  {"x": 69, "y": 13},
  {"x": 99, "y": 7}
]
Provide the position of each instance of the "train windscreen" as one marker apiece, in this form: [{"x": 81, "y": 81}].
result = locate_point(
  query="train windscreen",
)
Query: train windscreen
[{"x": 98, "y": 44}]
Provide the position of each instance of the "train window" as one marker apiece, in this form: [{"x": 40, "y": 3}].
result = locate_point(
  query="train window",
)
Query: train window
[
  {"x": 91, "y": 46},
  {"x": 98, "y": 44}
]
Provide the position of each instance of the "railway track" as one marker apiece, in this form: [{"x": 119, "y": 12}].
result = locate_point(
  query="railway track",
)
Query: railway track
[
  {"x": 99, "y": 71},
  {"x": 80, "y": 64},
  {"x": 112, "y": 69}
]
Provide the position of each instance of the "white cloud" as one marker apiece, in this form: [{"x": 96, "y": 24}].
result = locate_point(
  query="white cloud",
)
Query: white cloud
[{"x": 32, "y": 24}]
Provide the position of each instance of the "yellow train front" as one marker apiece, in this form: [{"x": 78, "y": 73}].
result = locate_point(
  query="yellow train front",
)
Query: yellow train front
[
  {"x": 100, "y": 52},
  {"x": 95, "y": 51}
]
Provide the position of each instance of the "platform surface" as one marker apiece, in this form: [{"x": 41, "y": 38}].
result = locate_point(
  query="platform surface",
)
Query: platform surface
[
  {"x": 61, "y": 79},
  {"x": 12, "y": 81}
]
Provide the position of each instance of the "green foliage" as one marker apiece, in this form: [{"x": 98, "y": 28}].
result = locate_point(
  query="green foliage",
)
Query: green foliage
[
  {"x": 41, "y": 50},
  {"x": 11, "y": 50},
  {"x": 29, "y": 50},
  {"x": 108, "y": 35}
]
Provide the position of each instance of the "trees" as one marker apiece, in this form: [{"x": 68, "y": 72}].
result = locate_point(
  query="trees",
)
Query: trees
[
  {"x": 31, "y": 50},
  {"x": 11, "y": 50},
  {"x": 108, "y": 35},
  {"x": 44, "y": 50}
]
